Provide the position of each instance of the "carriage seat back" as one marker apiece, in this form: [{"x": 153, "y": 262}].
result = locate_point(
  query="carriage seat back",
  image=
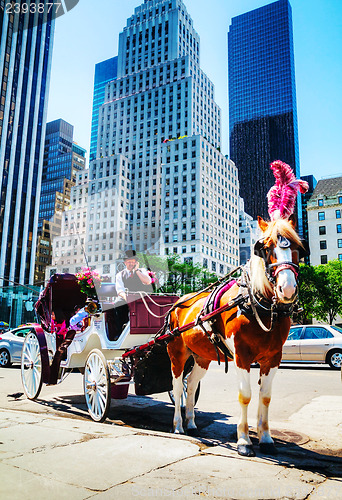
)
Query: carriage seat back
[{"x": 106, "y": 290}]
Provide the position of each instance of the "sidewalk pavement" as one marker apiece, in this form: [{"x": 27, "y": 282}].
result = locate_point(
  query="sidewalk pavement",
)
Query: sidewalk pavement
[{"x": 43, "y": 456}]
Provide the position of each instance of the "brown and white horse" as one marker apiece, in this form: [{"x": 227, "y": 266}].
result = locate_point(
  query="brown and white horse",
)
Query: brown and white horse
[{"x": 273, "y": 279}]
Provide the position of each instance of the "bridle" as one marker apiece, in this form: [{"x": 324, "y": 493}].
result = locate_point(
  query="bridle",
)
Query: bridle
[{"x": 272, "y": 270}]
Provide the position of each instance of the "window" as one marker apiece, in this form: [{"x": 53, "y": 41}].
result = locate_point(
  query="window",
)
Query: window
[
  {"x": 338, "y": 214},
  {"x": 322, "y": 230},
  {"x": 338, "y": 228},
  {"x": 321, "y": 215},
  {"x": 295, "y": 334},
  {"x": 340, "y": 199},
  {"x": 320, "y": 203},
  {"x": 324, "y": 259},
  {"x": 340, "y": 256},
  {"x": 339, "y": 243},
  {"x": 323, "y": 244},
  {"x": 313, "y": 333}
]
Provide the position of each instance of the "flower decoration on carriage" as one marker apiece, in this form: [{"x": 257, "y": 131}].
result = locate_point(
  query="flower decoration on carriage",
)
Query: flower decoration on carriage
[
  {"x": 89, "y": 280},
  {"x": 153, "y": 277},
  {"x": 282, "y": 196}
]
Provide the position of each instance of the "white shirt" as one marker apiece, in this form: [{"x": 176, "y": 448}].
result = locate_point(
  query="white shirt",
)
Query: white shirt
[{"x": 120, "y": 287}]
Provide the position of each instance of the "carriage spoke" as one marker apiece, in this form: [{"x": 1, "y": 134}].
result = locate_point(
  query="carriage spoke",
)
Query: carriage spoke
[
  {"x": 97, "y": 385},
  {"x": 31, "y": 366}
]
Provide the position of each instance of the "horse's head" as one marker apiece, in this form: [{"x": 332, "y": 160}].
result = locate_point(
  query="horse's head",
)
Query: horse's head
[{"x": 279, "y": 251}]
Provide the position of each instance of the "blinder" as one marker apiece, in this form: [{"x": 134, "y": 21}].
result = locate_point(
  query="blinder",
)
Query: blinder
[
  {"x": 283, "y": 242},
  {"x": 259, "y": 248}
]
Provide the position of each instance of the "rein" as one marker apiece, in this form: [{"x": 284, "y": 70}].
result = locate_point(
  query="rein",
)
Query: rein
[{"x": 253, "y": 300}]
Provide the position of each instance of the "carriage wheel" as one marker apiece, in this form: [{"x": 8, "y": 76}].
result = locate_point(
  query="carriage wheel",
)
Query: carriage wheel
[
  {"x": 31, "y": 367},
  {"x": 187, "y": 370},
  {"x": 97, "y": 389}
]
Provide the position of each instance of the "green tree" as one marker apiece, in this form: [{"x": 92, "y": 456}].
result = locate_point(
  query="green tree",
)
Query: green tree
[
  {"x": 307, "y": 292},
  {"x": 329, "y": 291},
  {"x": 175, "y": 276}
]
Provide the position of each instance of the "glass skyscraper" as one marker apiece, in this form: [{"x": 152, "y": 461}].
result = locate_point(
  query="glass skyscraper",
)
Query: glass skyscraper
[
  {"x": 62, "y": 160},
  {"x": 105, "y": 72},
  {"x": 262, "y": 100},
  {"x": 25, "y": 60},
  {"x": 59, "y": 164}
]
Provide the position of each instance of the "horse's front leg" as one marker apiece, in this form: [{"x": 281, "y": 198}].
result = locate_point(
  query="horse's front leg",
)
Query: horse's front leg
[
  {"x": 244, "y": 444},
  {"x": 265, "y": 441},
  {"x": 197, "y": 373},
  {"x": 177, "y": 385}
]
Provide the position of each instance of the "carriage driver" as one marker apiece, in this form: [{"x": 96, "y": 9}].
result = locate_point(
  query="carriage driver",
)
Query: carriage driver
[{"x": 132, "y": 279}]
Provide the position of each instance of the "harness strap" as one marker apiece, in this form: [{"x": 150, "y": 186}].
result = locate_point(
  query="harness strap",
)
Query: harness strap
[{"x": 254, "y": 309}]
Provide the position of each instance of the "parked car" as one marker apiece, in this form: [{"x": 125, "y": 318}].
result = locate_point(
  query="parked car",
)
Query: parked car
[
  {"x": 314, "y": 344},
  {"x": 11, "y": 344}
]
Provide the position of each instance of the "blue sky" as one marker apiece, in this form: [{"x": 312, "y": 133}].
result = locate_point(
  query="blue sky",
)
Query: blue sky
[{"x": 89, "y": 34}]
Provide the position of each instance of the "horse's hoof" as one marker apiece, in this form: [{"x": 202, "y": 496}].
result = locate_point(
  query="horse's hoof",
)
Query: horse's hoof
[
  {"x": 192, "y": 432},
  {"x": 268, "y": 449},
  {"x": 246, "y": 450}
]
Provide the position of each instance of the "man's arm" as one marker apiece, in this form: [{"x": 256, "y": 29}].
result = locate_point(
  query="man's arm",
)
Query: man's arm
[
  {"x": 120, "y": 287},
  {"x": 143, "y": 275}
]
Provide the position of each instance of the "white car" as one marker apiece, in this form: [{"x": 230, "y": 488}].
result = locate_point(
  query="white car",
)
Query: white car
[
  {"x": 11, "y": 344},
  {"x": 314, "y": 344}
]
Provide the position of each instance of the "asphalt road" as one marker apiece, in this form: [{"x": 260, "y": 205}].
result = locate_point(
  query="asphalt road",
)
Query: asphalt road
[{"x": 217, "y": 409}]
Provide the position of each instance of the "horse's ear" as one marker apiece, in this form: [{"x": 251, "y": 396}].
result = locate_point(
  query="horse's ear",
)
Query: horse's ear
[
  {"x": 293, "y": 221},
  {"x": 262, "y": 224}
]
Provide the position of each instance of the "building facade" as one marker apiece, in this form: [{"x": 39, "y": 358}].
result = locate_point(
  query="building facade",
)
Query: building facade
[
  {"x": 95, "y": 226},
  {"x": 105, "y": 72},
  {"x": 262, "y": 100},
  {"x": 311, "y": 180},
  {"x": 25, "y": 63},
  {"x": 325, "y": 221},
  {"x": 199, "y": 217}
]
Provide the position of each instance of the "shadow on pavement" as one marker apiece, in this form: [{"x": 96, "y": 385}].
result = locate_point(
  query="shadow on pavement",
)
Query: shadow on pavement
[{"x": 214, "y": 429}]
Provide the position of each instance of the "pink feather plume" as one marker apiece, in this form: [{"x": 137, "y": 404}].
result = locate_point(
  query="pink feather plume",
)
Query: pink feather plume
[{"x": 282, "y": 196}]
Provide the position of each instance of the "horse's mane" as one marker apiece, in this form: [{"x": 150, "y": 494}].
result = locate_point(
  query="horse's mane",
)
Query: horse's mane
[{"x": 277, "y": 227}]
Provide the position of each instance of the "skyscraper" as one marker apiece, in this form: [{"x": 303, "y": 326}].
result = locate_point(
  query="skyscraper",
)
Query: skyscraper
[
  {"x": 159, "y": 182},
  {"x": 160, "y": 113},
  {"x": 105, "y": 72},
  {"x": 25, "y": 60},
  {"x": 262, "y": 100},
  {"x": 62, "y": 160}
]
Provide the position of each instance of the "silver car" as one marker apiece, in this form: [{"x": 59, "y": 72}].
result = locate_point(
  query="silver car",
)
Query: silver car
[
  {"x": 11, "y": 344},
  {"x": 314, "y": 344}
]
